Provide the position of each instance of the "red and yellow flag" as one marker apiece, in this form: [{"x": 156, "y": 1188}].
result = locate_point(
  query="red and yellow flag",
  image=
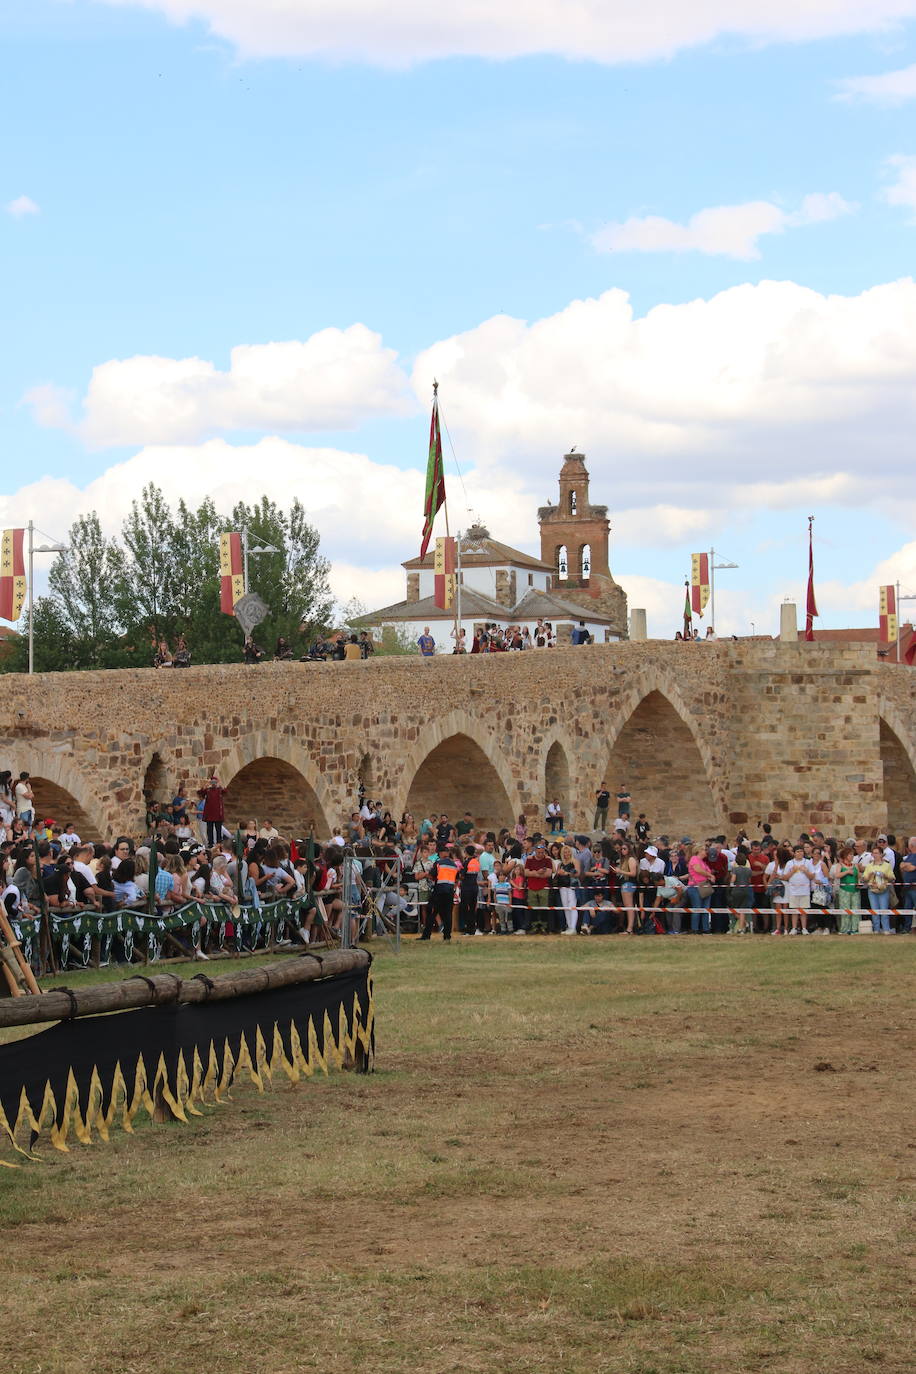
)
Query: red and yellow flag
[
  {"x": 699, "y": 582},
  {"x": 887, "y": 615},
  {"x": 12, "y": 574},
  {"x": 231, "y": 577},
  {"x": 444, "y": 571}
]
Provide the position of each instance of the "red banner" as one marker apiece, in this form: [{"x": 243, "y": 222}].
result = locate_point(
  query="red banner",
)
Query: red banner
[
  {"x": 699, "y": 582},
  {"x": 12, "y": 574},
  {"x": 231, "y": 576},
  {"x": 444, "y": 573},
  {"x": 887, "y": 615},
  {"x": 810, "y": 603}
]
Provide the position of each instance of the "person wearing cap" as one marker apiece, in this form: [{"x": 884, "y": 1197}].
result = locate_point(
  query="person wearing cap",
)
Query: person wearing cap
[
  {"x": 539, "y": 871},
  {"x": 651, "y": 878}
]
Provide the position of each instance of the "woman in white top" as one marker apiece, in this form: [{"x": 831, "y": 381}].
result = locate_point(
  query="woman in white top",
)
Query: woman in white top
[
  {"x": 798, "y": 875},
  {"x": 775, "y": 874}
]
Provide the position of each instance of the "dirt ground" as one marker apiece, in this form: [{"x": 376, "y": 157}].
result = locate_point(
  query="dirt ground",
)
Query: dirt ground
[{"x": 652, "y": 1155}]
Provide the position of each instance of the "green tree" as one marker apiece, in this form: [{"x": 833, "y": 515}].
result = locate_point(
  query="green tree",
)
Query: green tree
[
  {"x": 293, "y": 581},
  {"x": 146, "y": 591},
  {"x": 85, "y": 587}
]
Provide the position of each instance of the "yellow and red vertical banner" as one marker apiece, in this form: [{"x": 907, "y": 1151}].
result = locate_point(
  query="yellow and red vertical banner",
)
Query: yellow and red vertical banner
[
  {"x": 887, "y": 615},
  {"x": 444, "y": 569},
  {"x": 231, "y": 575},
  {"x": 699, "y": 582},
  {"x": 12, "y": 574}
]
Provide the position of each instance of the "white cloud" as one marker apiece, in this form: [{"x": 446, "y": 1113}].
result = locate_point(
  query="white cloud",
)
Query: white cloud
[
  {"x": 903, "y": 189},
  {"x": 890, "y": 88},
  {"x": 22, "y": 206},
  {"x": 596, "y": 30},
  {"x": 770, "y": 384},
  {"x": 332, "y": 380},
  {"x": 727, "y": 230}
]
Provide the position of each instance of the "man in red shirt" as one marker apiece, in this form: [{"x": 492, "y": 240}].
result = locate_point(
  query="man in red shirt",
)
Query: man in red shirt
[
  {"x": 539, "y": 871},
  {"x": 757, "y": 861}
]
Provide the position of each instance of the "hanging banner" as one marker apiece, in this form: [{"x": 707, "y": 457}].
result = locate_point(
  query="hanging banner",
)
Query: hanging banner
[
  {"x": 231, "y": 576},
  {"x": 12, "y": 574},
  {"x": 887, "y": 615},
  {"x": 444, "y": 566},
  {"x": 699, "y": 582}
]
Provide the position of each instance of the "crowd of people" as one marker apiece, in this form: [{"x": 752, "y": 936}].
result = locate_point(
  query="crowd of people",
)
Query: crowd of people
[{"x": 437, "y": 872}]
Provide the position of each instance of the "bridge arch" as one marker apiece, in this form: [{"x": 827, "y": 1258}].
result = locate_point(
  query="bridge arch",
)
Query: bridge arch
[
  {"x": 456, "y": 766},
  {"x": 556, "y": 775},
  {"x": 62, "y": 793},
  {"x": 898, "y": 768},
  {"x": 658, "y": 751},
  {"x": 271, "y": 776}
]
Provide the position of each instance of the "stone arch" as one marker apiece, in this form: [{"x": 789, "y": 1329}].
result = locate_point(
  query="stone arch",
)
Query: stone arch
[
  {"x": 898, "y": 771},
  {"x": 658, "y": 751},
  {"x": 456, "y": 766},
  {"x": 557, "y": 780},
  {"x": 309, "y": 792},
  {"x": 62, "y": 792},
  {"x": 156, "y": 782},
  {"x": 365, "y": 774}
]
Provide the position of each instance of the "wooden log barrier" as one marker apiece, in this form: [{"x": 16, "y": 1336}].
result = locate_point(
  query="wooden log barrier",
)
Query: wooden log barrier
[{"x": 167, "y": 988}]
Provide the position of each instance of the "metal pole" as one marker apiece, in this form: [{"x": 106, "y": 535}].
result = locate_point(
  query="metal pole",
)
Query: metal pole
[
  {"x": 458, "y": 586},
  {"x": 31, "y": 602},
  {"x": 346, "y": 889},
  {"x": 245, "y": 557},
  {"x": 712, "y": 589},
  {"x": 897, "y": 618}
]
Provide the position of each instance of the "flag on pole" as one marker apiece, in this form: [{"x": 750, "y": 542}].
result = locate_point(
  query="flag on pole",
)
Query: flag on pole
[
  {"x": 231, "y": 576},
  {"x": 811, "y": 604},
  {"x": 699, "y": 581},
  {"x": 688, "y": 613},
  {"x": 887, "y": 615},
  {"x": 444, "y": 573},
  {"x": 435, "y": 475},
  {"x": 12, "y": 574}
]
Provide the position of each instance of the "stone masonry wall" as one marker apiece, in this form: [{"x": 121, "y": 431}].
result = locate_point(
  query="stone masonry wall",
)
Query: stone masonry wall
[{"x": 780, "y": 731}]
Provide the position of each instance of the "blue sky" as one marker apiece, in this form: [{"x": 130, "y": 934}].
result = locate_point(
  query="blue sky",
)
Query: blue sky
[{"x": 191, "y": 198}]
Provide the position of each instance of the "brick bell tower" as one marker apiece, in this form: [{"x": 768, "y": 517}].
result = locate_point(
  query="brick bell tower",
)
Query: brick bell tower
[{"x": 574, "y": 541}]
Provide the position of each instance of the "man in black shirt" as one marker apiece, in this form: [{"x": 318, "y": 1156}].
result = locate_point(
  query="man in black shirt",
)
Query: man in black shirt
[{"x": 602, "y": 802}]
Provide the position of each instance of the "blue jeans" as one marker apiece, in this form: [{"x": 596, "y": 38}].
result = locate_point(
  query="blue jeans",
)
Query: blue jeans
[
  {"x": 880, "y": 905},
  {"x": 909, "y": 904},
  {"x": 699, "y": 916}
]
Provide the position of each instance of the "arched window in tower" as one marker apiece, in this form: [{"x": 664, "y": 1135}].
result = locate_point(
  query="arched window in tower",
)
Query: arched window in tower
[
  {"x": 573, "y": 503},
  {"x": 585, "y": 562},
  {"x": 562, "y": 563}
]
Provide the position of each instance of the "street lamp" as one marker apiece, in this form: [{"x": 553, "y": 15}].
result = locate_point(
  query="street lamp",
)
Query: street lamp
[
  {"x": 713, "y": 566},
  {"x": 250, "y": 549},
  {"x": 33, "y": 549},
  {"x": 897, "y": 610}
]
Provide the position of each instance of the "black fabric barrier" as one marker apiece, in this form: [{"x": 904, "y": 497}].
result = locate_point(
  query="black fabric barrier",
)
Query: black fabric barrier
[{"x": 91, "y": 1073}]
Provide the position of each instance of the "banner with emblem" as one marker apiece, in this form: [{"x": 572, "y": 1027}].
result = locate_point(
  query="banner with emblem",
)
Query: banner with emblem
[
  {"x": 887, "y": 615},
  {"x": 699, "y": 582},
  {"x": 231, "y": 574},
  {"x": 444, "y": 570},
  {"x": 12, "y": 574}
]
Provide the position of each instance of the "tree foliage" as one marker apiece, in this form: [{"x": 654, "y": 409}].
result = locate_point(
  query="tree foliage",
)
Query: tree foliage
[{"x": 110, "y": 601}]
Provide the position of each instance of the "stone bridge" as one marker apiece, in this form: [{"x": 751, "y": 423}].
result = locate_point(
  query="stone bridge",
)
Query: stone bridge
[{"x": 706, "y": 736}]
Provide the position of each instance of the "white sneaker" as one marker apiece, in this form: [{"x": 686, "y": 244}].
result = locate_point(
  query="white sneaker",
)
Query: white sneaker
[
  {"x": 518, "y": 932},
  {"x": 805, "y": 931},
  {"x": 199, "y": 954}
]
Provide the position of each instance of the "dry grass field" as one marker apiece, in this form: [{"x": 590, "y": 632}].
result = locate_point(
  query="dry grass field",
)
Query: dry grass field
[{"x": 648, "y": 1156}]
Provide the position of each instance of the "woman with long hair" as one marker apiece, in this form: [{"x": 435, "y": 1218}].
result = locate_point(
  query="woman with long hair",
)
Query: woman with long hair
[
  {"x": 566, "y": 887},
  {"x": 627, "y": 870},
  {"x": 699, "y": 876},
  {"x": 775, "y": 874}
]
